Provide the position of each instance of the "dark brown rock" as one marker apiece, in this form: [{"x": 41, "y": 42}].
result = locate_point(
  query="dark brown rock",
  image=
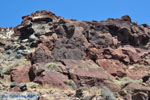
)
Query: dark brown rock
[
  {"x": 126, "y": 18},
  {"x": 41, "y": 54},
  {"x": 69, "y": 49}
]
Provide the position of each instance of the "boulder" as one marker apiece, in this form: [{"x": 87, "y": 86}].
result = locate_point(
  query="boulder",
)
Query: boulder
[
  {"x": 113, "y": 67},
  {"x": 126, "y": 54},
  {"x": 41, "y": 54},
  {"x": 19, "y": 74},
  {"x": 86, "y": 73},
  {"x": 42, "y": 75}
]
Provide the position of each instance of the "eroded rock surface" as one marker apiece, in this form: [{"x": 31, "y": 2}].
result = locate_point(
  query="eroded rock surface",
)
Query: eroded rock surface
[{"x": 65, "y": 59}]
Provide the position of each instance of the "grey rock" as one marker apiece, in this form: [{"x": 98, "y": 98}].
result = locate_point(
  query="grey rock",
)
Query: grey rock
[
  {"x": 13, "y": 84},
  {"x": 24, "y": 40},
  {"x": 32, "y": 37},
  {"x": 107, "y": 94}
]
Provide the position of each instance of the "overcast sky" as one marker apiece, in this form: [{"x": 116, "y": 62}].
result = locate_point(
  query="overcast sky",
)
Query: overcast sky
[{"x": 13, "y": 10}]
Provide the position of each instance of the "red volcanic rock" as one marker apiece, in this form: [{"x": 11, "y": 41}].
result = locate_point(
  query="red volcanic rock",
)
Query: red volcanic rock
[
  {"x": 90, "y": 53},
  {"x": 94, "y": 53},
  {"x": 42, "y": 75},
  {"x": 127, "y": 54},
  {"x": 71, "y": 64},
  {"x": 89, "y": 77},
  {"x": 138, "y": 72},
  {"x": 20, "y": 74},
  {"x": 51, "y": 78},
  {"x": 86, "y": 73},
  {"x": 132, "y": 54},
  {"x": 118, "y": 54},
  {"x": 113, "y": 67}
]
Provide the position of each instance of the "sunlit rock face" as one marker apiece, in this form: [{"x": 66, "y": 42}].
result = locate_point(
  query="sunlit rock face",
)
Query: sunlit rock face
[{"x": 87, "y": 60}]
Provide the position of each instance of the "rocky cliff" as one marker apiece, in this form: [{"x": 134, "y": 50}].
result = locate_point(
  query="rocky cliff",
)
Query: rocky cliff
[{"x": 66, "y": 59}]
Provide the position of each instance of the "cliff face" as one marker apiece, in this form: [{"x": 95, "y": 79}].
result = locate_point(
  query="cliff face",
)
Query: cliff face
[{"x": 93, "y": 60}]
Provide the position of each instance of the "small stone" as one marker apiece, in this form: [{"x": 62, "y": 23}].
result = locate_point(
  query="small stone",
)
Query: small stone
[
  {"x": 23, "y": 87},
  {"x": 8, "y": 51},
  {"x": 32, "y": 37},
  {"x": 13, "y": 84},
  {"x": 24, "y": 40},
  {"x": 79, "y": 93},
  {"x": 15, "y": 89},
  {"x": 22, "y": 47}
]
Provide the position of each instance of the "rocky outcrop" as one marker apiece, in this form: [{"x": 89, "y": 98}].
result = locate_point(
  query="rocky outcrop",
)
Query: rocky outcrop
[{"x": 90, "y": 59}]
